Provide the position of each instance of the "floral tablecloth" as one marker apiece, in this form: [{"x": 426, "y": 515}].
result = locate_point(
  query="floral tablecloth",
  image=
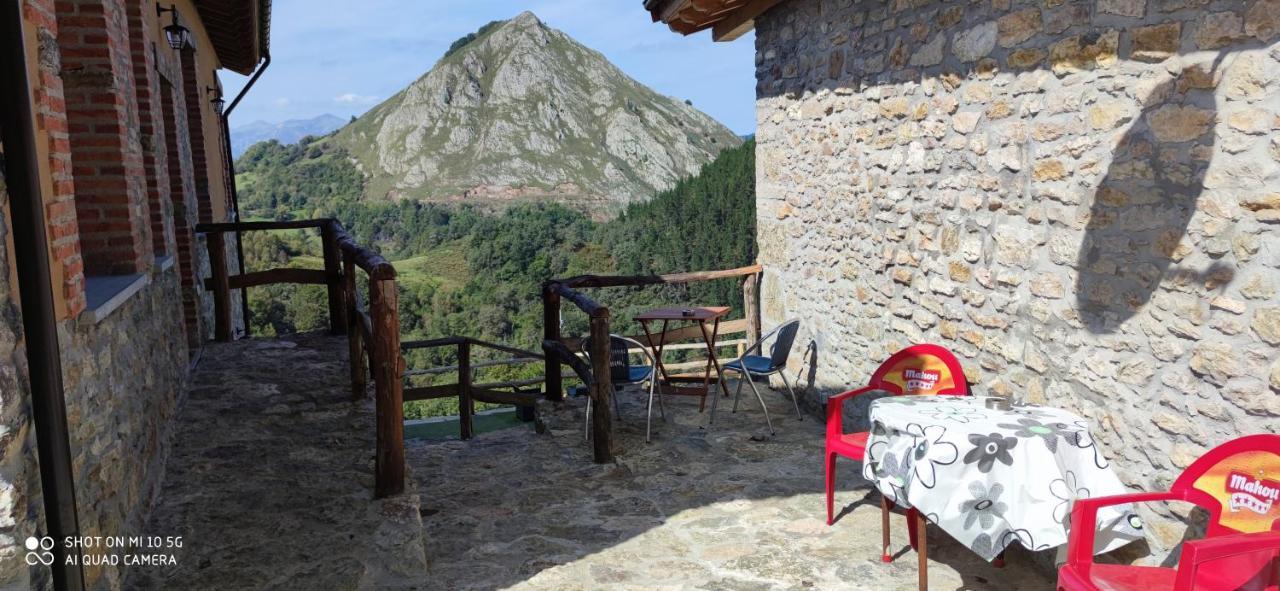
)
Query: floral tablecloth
[{"x": 990, "y": 477}]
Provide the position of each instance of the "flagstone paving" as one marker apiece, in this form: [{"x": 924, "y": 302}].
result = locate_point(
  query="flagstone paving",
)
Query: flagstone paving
[{"x": 722, "y": 509}]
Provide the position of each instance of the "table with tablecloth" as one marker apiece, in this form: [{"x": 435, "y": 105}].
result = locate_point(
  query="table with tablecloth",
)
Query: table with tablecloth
[{"x": 990, "y": 477}]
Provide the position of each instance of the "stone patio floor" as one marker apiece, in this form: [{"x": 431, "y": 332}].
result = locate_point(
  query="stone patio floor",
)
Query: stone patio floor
[
  {"x": 270, "y": 486},
  {"x": 722, "y": 509},
  {"x": 270, "y": 480}
]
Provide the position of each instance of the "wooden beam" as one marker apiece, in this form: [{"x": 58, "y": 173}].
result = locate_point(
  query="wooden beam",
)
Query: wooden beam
[
  {"x": 267, "y": 225},
  {"x": 738, "y": 22},
  {"x": 498, "y": 397},
  {"x": 466, "y": 404},
  {"x": 674, "y": 335},
  {"x": 333, "y": 278},
  {"x": 556, "y": 350},
  {"x": 389, "y": 469},
  {"x": 551, "y": 333},
  {"x": 285, "y": 275},
  {"x": 601, "y": 392},
  {"x": 429, "y": 343},
  {"x": 631, "y": 280},
  {"x": 221, "y": 287},
  {"x": 579, "y": 299},
  {"x": 431, "y": 392}
]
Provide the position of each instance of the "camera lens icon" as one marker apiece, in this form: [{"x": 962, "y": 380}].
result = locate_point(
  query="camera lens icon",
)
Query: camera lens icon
[{"x": 39, "y": 550}]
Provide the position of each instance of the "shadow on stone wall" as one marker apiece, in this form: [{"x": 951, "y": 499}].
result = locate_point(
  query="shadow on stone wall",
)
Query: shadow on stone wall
[{"x": 1143, "y": 206}]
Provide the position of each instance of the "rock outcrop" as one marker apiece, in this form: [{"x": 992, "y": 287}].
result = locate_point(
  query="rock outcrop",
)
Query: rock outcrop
[{"x": 525, "y": 112}]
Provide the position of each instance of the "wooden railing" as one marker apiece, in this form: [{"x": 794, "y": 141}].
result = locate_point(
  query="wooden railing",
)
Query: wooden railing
[
  {"x": 373, "y": 331},
  {"x": 560, "y": 350},
  {"x": 467, "y": 392}
]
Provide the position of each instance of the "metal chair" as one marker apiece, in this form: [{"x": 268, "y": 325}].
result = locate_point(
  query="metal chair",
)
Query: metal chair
[
  {"x": 621, "y": 372},
  {"x": 753, "y": 366}
]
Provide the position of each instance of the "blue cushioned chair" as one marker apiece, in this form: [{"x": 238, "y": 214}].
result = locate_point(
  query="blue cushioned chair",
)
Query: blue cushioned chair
[
  {"x": 622, "y": 373},
  {"x": 755, "y": 366}
]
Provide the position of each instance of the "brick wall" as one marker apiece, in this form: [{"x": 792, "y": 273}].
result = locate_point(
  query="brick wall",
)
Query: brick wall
[
  {"x": 51, "y": 121},
  {"x": 195, "y": 96},
  {"x": 102, "y": 113},
  {"x": 144, "y": 53},
  {"x": 1079, "y": 198}
]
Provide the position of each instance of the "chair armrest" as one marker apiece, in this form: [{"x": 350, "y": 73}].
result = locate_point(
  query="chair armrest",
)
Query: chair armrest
[
  {"x": 835, "y": 404},
  {"x": 1084, "y": 521}
]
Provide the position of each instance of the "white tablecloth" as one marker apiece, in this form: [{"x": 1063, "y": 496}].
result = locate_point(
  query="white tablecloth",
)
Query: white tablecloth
[{"x": 989, "y": 477}]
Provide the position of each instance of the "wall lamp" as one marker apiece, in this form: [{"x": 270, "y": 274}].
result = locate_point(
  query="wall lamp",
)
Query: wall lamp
[
  {"x": 217, "y": 101},
  {"x": 175, "y": 33}
]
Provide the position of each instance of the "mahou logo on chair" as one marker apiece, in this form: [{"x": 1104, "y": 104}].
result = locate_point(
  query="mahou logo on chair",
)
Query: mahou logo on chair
[
  {"x": 1254, "y": 494},
  {"x": 920, "y": 380}
]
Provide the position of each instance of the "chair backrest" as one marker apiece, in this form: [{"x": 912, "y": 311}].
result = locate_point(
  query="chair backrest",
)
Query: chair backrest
[
  {"x": 619, "y": 356},
  {"x": 1238, "y": 482},
  {"x": 781, "y": 349},
  {"x": 922, "y": 369}
]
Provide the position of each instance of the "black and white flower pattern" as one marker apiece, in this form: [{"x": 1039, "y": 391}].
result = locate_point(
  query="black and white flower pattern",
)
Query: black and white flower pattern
[
  {"x": 1066, "y": 489},
  {"x": 984, "y": 506},
  {"x": 956, "y": 412},
  {"x": 988, "y": 449},
  {"x": 930, "y": 452},
  {"x": 1030, "y": 428}
]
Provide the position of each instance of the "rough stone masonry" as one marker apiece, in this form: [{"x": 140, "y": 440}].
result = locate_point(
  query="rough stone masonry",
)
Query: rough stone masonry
[{"x": 1079, "y": 198}]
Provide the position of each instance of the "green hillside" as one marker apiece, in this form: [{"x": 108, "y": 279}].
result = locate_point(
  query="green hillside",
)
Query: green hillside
[{"x": 468, "y": 272}]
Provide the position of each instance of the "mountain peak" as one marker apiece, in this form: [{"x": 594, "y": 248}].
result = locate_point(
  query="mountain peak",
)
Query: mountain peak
[
  {"x": 519, "y": 110},
  {"x": 525, "y": 18}
]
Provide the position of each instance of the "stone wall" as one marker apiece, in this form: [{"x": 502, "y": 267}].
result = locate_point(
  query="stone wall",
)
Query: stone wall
[
  {"x": 123, "y": 379},
  {"x": 21, "y": 512},
  {"x": 1079, "y": 198}
]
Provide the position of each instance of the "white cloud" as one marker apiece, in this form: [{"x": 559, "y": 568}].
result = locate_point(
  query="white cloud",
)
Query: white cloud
[
  {"x": 351, "y": 98},
  {"x": 281, "y": 102}
]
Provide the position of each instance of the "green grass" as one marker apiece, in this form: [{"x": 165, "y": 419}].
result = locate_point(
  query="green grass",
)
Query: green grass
[{"x": 446, "y": 264}]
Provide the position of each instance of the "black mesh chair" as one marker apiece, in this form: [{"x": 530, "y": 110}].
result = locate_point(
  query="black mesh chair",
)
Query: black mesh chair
[
  {"x": 754, "y": 366},
  {"x": 622, "y": 373}
]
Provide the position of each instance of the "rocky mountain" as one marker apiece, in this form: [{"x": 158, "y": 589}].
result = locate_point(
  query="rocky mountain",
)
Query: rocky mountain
[
  {"x": 286, "y": 132},
  {"x": 522, "y": 111}
]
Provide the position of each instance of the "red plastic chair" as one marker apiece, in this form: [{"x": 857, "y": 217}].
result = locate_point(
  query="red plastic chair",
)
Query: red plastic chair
[
  {"x": 1238, "y": 483},
  {"x": 919, "y": 369}
]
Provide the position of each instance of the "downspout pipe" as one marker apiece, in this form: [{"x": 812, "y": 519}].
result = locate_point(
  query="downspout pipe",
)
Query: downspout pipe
[
  {"x": 35, "y": 292},
  {"x": 235, "y": 192}
]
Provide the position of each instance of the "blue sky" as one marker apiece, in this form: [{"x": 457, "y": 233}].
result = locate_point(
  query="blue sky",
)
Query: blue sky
[{"x": 328, "y": 58}]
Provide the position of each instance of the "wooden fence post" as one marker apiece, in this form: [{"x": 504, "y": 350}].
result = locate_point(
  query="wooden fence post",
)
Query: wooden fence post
[
  {"x": 355, "y": 337},
  {"x": 751, "y": 305},
  {"x": 217, "y": 246},
  {"x": 466, "y": 405},
  {"x": 333, "y": 275},
  {"x": 389, "y": 463},
  {"x": 551, "y": 331},
  {"x": 601, "y": 388}
]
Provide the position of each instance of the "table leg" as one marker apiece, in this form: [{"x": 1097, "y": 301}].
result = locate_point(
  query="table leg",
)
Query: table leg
[
  {"x": 885, "y": 556},
  {"x": 657, "y": 350},
  {"x": 712, "y": 361},
  {"x": 922, "y": 551}
]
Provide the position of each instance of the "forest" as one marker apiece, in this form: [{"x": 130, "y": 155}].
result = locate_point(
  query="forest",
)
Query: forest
[{"x": 473, "y": 272}]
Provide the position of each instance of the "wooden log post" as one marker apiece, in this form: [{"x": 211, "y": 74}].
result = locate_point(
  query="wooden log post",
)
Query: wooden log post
[
  {"x": 217, "y": 245},
  {"x": 551, "y": 332},
  {"x": 355, "y": 337},
  {"x": 466, "y": 404},
  {"x": 601, "y": 388},
  {"x": 751, "y": 305},
  {"x": 389, "y": 463},
  {"x": 333, "y": 278}
]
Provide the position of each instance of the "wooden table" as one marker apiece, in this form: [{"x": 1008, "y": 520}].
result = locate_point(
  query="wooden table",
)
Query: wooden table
[{"x": 701, "y": 316}]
